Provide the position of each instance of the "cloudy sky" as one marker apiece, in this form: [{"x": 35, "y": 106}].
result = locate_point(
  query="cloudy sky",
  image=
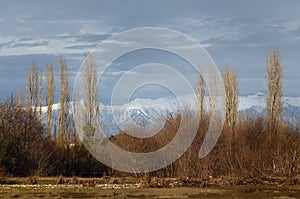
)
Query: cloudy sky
[{"x": 235, "y": 33}]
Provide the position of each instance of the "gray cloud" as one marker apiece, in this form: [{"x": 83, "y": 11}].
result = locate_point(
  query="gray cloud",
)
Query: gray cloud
[
  {"x": 235, "y": 33},
  {"x": 80, "y": 47},
  {"x": 29, "y": 44}
]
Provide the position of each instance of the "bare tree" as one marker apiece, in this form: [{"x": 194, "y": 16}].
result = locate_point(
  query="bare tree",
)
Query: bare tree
[
  {"x": 213, "y": 92},
  {"x": 231, "y": 90},
  {"x": 200, "y": 94},
  {"x": 273, "y": 98},
  {"x": 63, "y": 123},
  {"x": 90, "y": 88},
  {"x": 30, "y": 87},
  {"x": 50, "y": 91},
  {"x": 34, "y": 89},
  {"x": 40, "y": 91},
  {"x": 231, "y": 100}
]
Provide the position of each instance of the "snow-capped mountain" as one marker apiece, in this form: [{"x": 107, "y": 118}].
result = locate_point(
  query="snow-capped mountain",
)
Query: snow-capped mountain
[
  {"x": 150, "y": 114},
  {"x": 255, "y": 104}
]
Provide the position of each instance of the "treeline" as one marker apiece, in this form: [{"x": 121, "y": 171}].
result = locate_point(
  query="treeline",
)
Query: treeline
[{"x": 249, "y": 146}]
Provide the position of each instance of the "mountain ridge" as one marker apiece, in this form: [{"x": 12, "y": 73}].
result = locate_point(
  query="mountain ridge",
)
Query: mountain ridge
[{"x": 148, "y": 113}]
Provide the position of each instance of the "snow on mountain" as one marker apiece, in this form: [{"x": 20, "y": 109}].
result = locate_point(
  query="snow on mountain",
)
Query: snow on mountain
[
  {"x": 252, "y": 101},
  {"x": 151, "y": 114},
  {"x": 255, "y": 104}
]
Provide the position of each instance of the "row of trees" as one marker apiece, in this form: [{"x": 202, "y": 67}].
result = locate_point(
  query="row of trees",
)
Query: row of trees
[
  {"x": 34, "y": 98},
  {"x": 276, "y": 133},
  {"x": 63, "y": 132},
  {"x": 249, "y": 145},
  {"x": 231, "y": 95}
]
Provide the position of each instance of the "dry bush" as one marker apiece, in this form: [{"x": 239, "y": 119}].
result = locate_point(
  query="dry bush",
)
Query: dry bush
[
  {"x": 23, "y": 150},
  {"x": 253, "y": 155}
]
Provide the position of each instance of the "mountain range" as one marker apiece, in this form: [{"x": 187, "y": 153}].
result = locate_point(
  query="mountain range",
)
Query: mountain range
[{"x": 150, "y": 114}]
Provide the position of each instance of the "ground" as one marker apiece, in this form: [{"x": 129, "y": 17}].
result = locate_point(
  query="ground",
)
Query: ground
[
  {"x": 47, "y": 188},
  {"x": 245, "y": 192}
]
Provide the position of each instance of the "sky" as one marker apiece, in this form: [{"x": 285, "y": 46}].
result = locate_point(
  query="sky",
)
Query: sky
[{"x": 237, "y": 34}]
